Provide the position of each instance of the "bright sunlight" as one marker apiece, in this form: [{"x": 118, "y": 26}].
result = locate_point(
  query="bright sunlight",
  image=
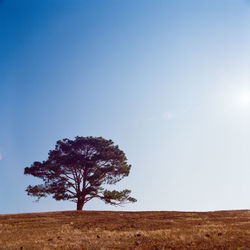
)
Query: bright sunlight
[{"x": 244, "y": 98}]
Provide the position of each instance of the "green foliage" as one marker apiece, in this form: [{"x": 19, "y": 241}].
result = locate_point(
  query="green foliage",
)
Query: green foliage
[
  {"x": 77, "y": 169},
  {"x": 122, "y": 196}
]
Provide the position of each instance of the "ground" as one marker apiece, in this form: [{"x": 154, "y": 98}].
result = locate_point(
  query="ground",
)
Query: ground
[{"x": 126, "y": 230}]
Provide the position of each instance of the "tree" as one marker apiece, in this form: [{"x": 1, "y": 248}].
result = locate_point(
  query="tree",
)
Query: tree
[{"x": 76, "y": 170}]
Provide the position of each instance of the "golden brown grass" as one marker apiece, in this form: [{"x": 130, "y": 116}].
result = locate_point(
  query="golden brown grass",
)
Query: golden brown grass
[{"x": 126, "y": 230}]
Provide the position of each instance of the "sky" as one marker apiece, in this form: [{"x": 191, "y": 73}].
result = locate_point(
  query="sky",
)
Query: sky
[{"x": 168, "y": 81}]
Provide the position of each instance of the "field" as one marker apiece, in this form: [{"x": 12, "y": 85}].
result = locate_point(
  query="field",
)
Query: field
[{"x": 126, "y": 230}]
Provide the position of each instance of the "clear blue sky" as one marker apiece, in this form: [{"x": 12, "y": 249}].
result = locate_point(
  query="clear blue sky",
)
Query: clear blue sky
[{"x": 168, "y": 81}]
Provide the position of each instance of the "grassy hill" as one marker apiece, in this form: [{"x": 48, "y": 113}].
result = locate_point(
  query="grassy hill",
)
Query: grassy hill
[{"x": 126, "y": 230}]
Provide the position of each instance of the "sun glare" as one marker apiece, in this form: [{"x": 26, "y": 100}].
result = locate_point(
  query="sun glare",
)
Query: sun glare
[{"x": 244, "y": 98}]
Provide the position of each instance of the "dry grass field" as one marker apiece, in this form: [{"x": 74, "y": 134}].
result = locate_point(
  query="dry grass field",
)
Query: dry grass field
[{"x": 126, "y": 230}]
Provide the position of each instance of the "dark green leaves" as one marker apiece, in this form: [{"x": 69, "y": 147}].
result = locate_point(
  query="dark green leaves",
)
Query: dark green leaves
[
  {"x": 118, "y": 198},
  {"x": 76, "y": 170}
]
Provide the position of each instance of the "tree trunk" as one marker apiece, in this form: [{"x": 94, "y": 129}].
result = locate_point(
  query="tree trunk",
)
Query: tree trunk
[{"x": 80, "y": 204}]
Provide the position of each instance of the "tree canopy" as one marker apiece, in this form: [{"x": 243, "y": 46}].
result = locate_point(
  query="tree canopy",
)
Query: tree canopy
[{"x": 77, "y": 170}]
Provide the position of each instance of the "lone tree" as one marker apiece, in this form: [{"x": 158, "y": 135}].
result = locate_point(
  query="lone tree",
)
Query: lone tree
[{"x": 76, "y": 170}]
